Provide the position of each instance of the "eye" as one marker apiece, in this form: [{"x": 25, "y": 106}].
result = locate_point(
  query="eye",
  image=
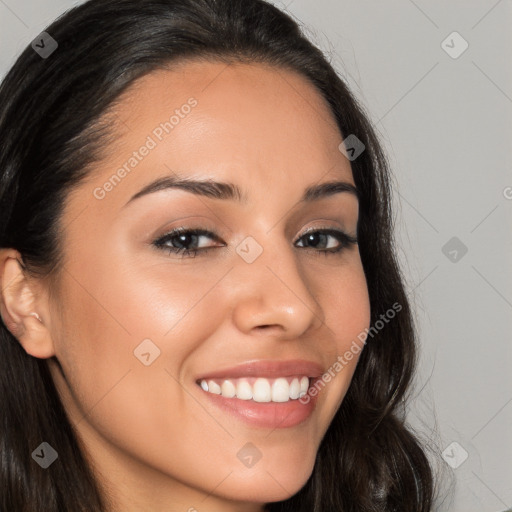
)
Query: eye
[
  {"x": 180, "y": 240},
  {"x": 184, "y": 237},
  {"x": 320, "y": 236}
]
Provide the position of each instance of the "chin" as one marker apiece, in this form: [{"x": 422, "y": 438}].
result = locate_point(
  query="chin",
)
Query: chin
[{"x": 268, "y": 485}]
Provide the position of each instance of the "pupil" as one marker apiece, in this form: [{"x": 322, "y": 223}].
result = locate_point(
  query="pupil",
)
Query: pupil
[
  {"x": 184, "y": 237},
  {"x": 313, "y": 238}
]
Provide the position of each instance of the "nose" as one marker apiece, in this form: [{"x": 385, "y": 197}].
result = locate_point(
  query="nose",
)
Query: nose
[{"x": 272, "y": 294}]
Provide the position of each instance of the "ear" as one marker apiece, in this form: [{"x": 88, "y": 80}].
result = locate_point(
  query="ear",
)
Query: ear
[{"x": 23, "y": 306}]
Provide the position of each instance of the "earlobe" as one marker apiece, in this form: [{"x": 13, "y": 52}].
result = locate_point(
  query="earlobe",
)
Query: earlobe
[{"x": 20, "y": 297}]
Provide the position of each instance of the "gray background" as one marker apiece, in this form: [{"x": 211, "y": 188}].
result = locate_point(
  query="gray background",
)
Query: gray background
[{"x": 445, "y": 123}]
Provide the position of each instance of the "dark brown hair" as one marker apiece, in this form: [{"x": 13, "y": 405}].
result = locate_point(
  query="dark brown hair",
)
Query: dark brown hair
[{"x": 52, "y": 131}]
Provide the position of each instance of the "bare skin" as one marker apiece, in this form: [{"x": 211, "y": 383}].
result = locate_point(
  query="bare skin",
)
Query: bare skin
[{"x": 154, "y": 440}]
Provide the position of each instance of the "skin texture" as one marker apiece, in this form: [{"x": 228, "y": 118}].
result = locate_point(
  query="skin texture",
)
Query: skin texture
[{"x": 154, "y": 440}]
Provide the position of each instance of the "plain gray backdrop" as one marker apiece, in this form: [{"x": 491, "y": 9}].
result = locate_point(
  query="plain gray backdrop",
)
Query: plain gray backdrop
[{"x": 436, "y": 80}]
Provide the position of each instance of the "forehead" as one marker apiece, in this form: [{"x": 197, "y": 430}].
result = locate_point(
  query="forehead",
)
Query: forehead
[
  {"x": 241, "y": 89},
  {"x": 257, "y": 125}
]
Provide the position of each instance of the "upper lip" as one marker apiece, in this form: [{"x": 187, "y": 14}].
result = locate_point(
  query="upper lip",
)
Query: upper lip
[{"x": 268, "y": 369}]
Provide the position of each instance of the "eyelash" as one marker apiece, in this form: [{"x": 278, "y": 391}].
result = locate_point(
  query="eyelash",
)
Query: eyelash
[{"x": 344, "y": 239}]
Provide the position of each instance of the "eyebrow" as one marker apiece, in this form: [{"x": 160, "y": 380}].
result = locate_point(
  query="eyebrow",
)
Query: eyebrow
[{"x": 230, "y": 191}]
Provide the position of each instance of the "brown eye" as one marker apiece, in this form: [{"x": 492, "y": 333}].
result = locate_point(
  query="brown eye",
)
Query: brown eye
[
  {"x": 184, "y": 238},
  {"x": 319, "y": 237}
]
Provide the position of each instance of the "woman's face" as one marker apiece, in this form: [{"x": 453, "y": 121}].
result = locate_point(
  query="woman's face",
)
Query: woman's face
[{"x": 135, "y": 326}]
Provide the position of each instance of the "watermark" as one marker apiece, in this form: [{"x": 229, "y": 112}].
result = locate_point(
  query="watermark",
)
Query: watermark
[
  {"x": 351, "y": 147},
  {"x": 455, "y": 455},
  {"x": 507, "y": 192},
  {"x": 354, "y": 350},
  {"x": 249, "y": 455},
  {"x": 146, "y": 352},
  {"x": 454, "y": 249},
  {"x": 45, "y": 455},
  {"x": 44, "y": 45},
  {"x": 454, "y": 45},
  {"x": 151, "y": 142},
  {"x": 248, "y": 249}
]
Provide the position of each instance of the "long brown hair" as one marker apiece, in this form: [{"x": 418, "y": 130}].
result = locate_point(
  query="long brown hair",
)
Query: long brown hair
[{"x": 52, "y": 132}]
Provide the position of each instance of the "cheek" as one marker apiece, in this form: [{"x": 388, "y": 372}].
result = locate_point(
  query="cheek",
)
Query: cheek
[
  {"x": 346, "y": 304},
  {"x": 129, "y": 328},
  {"x": 121, "y": 319},
  {"x": 143, "y": 409}
]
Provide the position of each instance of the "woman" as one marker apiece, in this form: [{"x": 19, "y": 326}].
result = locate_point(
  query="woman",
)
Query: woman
[{"x": 201, "y": 304}]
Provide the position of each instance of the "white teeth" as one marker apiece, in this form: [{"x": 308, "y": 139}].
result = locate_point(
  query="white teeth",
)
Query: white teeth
[
  {"x": 243, "y": 390},
  {"x": 280, "y": 391},
  {"x": 304, "y": 385},
  {"x": 213, "y": 387},
  {"x": 228, "y": 389},
  {"x": 295, "y": 389},
  {"x": 261, "y": 390}
]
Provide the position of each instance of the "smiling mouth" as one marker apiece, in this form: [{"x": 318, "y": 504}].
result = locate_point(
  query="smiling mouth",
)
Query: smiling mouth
[
  {"x": 258, "y": 389},
  {"x": 260, "y": 402}
]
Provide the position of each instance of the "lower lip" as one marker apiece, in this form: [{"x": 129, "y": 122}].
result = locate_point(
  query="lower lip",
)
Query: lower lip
[{"x": 266, "y": 414}]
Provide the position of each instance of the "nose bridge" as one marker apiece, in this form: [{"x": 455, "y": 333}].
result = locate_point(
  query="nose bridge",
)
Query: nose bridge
[{"x": 271, "y": 289}]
